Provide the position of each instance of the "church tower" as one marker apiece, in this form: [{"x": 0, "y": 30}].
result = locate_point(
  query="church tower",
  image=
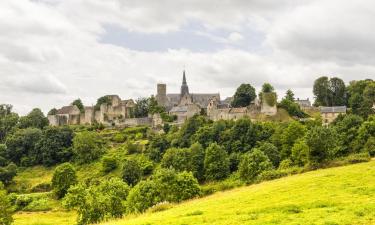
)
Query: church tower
[{"x": 184, "y": 86}]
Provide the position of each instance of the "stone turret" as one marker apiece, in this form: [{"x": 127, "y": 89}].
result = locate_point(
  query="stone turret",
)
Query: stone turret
[{"x": 161, "y": 95}]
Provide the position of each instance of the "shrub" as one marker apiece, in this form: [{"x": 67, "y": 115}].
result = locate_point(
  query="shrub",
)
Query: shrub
[
  {"x": 300, "y": 153},
  {"x": 271, "y": 152},
  {"x": 6, "y": 209},
  {"x": 286, "y": 164},
  {"x": 252, "y": 164},
  {"x": 109, "y": 163},
  {"x": 119, "y": 138},
  {"x": 131, "y": 172},
  {"x": 133, "y": 147},
  {"x": 63, "y": 177},
  {"x": 147, "y": 166},
  {"x": 98, "y": 202},
  {"x": 370, "y": 146},
  {"x": 234, "y": 161},
  {"x": 358, "y": 158},
  {"x": 161, "y": 206},
  {"x": 144, "y": 195},
  {"x": 177, "y": 158},
  {"x": 42, "y": 187},
  {"x": 87, "y": 146},
  {"x": 322, "y": 142},
  {"x": 216, "y": 163},
  {"x": 36, "y": 205},
  {"x": 22, "y": 201},
  {"x": 272, "y": 174},
  {"x": 8, "y": 173}
]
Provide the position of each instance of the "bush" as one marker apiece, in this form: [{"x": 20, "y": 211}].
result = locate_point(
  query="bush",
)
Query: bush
[
  {"x": 252, "y": 164},
  {"x": 133, "y": 147},
  {"x": 22, "y": 201},
  {"x": 271, "y": 152},
  {"x": 370, "y": 146},
  {"x": 144, "y": 195},
  {"x": 358, "y": 158},
  {"x": 63, "y": 177},
  {"x": 42, "y": 187},
  {"x": 286, "y": 164},
  {"x": 216, "y": 163},
  {"x": 272, "y": 174},
  {"x": 98, "y": 202},
  {"x": 109, "y": 163},
  {"x": 177, "y": 158},
  {"x": 119, "y": 138},
  {"x": 161, "y": 206},
  {"x": 322, "y": 142},
  {"x": 300, "y": 153},
  {"x": 234, "y": 161},
  {"x": 131, "y": 172},
  {"x": 87, "y": 146},
  {"x": 8, "y": 173},
  {"x": 6, "y": 209},
  {"x": 147, "y": 166},
  {"x": 36, "y": 205}
]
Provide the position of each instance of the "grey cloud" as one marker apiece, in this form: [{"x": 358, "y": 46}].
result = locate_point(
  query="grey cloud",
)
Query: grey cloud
[{"x": 38, "y": 84}]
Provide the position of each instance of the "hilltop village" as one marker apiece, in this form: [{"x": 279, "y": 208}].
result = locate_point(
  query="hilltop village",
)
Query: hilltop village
[{"x": 182, "y": 106}]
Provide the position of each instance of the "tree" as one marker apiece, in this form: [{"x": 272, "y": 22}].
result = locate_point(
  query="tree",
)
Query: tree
[
  {"x": 271, "y": 152},
  {"x": 109, "y": 163},
  {"x": 131, "y": 172},
  {"x": 55, "y": 145},
  {"x": 156, "y": 147},
  {"x": 63, "y": 177},
  {"x": 102, "y": 100},
  {"x": 267, "y": 88},
  {"x": 329, "y": 92},
  {"x": 197, "y": 161},
  {"x": 6, "y": 208},
  {"x": 290, "y": 135},
  {"x": 361, "y": 96},
  {"x": 8, "y": 120},
  {"x": 79, "y": 104},
  {"x": 216, "y": 163},
  {"x": 300, "y": 153},
  {"x": 96, "y": 203},
  {"x": 189, "y": 128},
  {"x": 292, "y": 108},
  {"x": 177, "y": 158},
  {"x": 244, "y": 95},
  {"x": 289, "y": 95},
  {"x": 52, "y": 112},
  {"x": 34, "y": 119},
  {"x": 322, "y": 142},
  {"x": 141, "y": 108},
  {"x": 7, "y": 173},
  {"x": 347, "y": 127},
  {"x": 22, "y": 146},
  {"x": 252, "y": 164},
  {"x": 154, "y": 107},
  {"x": 87, "y": 146},
  {"x": 142, "y": 196}
]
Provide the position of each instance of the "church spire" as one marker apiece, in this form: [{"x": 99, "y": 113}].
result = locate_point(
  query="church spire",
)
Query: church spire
[{"x": 184, "y": 86}]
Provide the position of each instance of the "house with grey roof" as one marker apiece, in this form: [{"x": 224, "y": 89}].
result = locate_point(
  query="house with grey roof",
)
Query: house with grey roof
[{"x": 329, "y": 114}]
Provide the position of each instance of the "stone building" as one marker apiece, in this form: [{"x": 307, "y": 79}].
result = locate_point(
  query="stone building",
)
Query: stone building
[
  {"x": 329, "y": 114},
  {"x": 116, "y": 111},
  {"x": 303, "y": 103}
]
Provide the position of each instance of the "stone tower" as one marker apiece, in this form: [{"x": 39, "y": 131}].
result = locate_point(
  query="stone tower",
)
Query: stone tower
[
  {"x": 184, "y": 86},
  {"x": 161, "y": 95}
]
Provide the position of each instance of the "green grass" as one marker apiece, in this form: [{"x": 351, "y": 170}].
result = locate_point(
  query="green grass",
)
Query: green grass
[
  {"x": 45, "y": 218},
  {"x": 342, "y": 195}
]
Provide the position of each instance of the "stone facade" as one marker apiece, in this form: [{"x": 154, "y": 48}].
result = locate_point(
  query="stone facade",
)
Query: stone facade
[{"x": 303, "y": 103}]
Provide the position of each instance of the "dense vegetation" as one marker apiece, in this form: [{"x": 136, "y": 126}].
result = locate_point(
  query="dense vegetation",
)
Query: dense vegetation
[{"x": 108, "y": 173}]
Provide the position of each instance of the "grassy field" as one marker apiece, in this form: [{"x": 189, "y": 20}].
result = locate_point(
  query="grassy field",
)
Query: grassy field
[{"x": 343, "y": 195}]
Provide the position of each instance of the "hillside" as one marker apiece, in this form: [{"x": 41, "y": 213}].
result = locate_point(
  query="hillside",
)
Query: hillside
[{"x": 343, "y": 195}]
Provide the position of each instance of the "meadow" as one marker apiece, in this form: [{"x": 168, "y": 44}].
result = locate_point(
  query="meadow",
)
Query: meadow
[{"x": 341, "y": 195}]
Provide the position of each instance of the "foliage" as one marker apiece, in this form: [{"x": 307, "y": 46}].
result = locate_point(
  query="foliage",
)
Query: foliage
[
  {"x": 216, "y": 163},
  {"x": 87, "y": 146},
  {"x": 79, "y": 104},
  {"x": 289, "y": 136},
  {"x": 22, "y": 146},
  {"x": 267, "y": 88},
  {"x": 300, "y": 153},
  {"x": 271, "y": 152},
  {"x": 109, "y": 163},
  {"x": 34, "y": 119},
  {"x": 141, "y": 108},
  {"x": 96, "y": 203},
  {"x": 144, "y": 195},
  {"x": 252, "y": 164},
  {"x": 289, "y": 95},
  {"x": 6, "y": 209},
  {"x": 7, "y": 173},
  {"x": 268, "y": 97},
  {"x": 55, "y": 145},
  {"x": 361, "y": 96},
  {"x": 131, "y": 172},
  {"x": 244, "y": 95},
  {"x": 102, "y": 100},
  {"x": 292, "y": 107},
  {"x": 8, "y": 120},
  {"x": 329, "y": 92},
  {"x": 64, "y": 176},
  {"x": 52, "y": 112},
  {"x": 322, "y": 142},
  {"x": 370, "y": 146},
  {"x": 157, "y": 146},
  {"x": 347, "y": 127},
  {"x": 189, "y": 128}
]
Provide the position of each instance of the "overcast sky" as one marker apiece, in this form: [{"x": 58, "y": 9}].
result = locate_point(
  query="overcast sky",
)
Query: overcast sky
[{"x": 54, "y": 51}]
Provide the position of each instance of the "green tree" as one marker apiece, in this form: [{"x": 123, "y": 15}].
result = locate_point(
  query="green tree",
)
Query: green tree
[
  {"x": 289, "y": 95},
  {"x": 103, "y": 100},
  {"x": 87, "y": 147},
  {"x": 52, "y": 112},
  {"x": 6, "y": 208},
  {"x": 79, "y": 104},
  {"x": 252, "y": 164},
  {"x": 321, "y": 91},
  {"x": 216, "y": 163},
  {"x": 329, "y": 92},
  {"x": 55, "y": 145},
  {"x": 142, "y": 196},
  {"x": 322, "y": 143},
  {"x": 156, "y": 147},
  {"x": 109, "y": 163},
  {"x": 96, "y": 203},
  {"x": 244, "y": 95},
  {"x": 34, "y": 119},
  {"x": 347, "y": 128},
  {"x": 290, "y": 135},
  {"x": 197, "y": 160},
  {"x": 271, "y": 152},
  {"x": 63, "y": 177},
  {"x": 189, "y": 128},
  {"x": 7, "y": 173},
  {"x": 131, "y": 172},
  {"x": 141, "y": 108},
  {"x": 267, "y": 88},
  {"x": 300, "y": 153},
  {"x": 8, "y": 120},
  {"x": 22, "y": 146}
]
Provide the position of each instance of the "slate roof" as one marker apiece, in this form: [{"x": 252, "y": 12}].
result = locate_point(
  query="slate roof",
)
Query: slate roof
[
  {"x": 238, "y": 110},
  {"x": 333, "y": 109},
  {"x": 179, "y": 109},
  {"x": 200, "y": 99}
]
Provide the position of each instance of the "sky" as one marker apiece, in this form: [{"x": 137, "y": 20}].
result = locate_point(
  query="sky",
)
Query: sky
[{"x": 55, "y": 51}]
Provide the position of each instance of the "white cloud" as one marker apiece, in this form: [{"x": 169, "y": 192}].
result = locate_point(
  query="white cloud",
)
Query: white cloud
[{"x": 50, "y": 52}]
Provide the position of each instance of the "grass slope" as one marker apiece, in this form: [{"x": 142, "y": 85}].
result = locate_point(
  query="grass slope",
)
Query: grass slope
[{"x": 343, "y": 195}]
